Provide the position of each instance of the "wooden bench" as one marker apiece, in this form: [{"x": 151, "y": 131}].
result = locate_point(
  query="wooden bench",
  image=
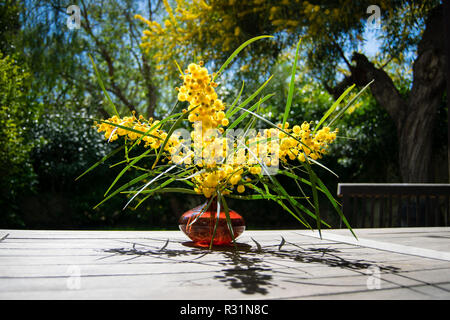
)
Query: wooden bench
[{"x": 380, "y": 205}]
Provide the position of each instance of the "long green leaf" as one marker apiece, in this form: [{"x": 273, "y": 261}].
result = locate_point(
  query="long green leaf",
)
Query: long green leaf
[
  {"x": 236, "y": 52},
  {"x": 298, "y": 206},
  {"x": 279, "y": 188},
  {"x": 313, "y": 179},
  {"x": 123, "y": 187},
  {"x": 129, "y": 159},
  {"x": 227, "y": 217},
  {"x": 321, "y": 165},
  {"x": 169, "y": 134},
  {"x": 295, "y": 204},
  {"x": 128, "y": 129},
  {"x": 245, "y": 114},
  {"x": 262, "y": 195},
  {"x": 208, "y": 204},
  {"x": 336, "y": 206},
  {"x": 150, "y": 182},
  {"x": 165, "y": 190},
  {"x": 248, "y": 100},
  {"x": 230, "y": 109},
  {"x": 301, "y": 190},
  {"x": 251, "y": 123},
  {"x": 274, "y": 126},
  {"x": 101, "y": 161},
  {"x": 126, "y": 168},
  {"x": 350, "y": 103},
  {"x": 147, "y": 133},
  {"x": 152, "y": 191},
  {"x": 100, "y": 81},
  {"x": 296, "y": 177},
  {"x": 287, "y": 109},
  {"x": 215, "y": 225},
  {"x": 333, "y": 107},
  {"x": 292, "y": 198}
]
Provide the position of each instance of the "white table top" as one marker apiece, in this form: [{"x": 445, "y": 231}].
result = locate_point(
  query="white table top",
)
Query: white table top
[{"x": 396, "y": 263}]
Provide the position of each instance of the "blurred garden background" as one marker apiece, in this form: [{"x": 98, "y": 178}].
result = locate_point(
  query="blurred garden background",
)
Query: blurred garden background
[{"x": 397, "y": 131}]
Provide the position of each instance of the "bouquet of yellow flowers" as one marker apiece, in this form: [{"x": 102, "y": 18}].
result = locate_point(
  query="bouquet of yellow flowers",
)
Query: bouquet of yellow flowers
[{"x": 217, "y": 159}]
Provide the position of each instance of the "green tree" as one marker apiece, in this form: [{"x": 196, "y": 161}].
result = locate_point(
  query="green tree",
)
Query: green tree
[
  {"x": 59, "y": 57},
  {"x": 60, "y": 78},
  {"x": 365, "y": 149},
  {"x": 411, "y": 32},
  {"x": 9, "y": 24},
  {"x": 17, "y": 113}
]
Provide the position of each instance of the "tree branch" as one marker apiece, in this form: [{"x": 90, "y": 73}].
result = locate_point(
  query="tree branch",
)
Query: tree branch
[
  {"x": 383, "y": 88},
  {"x": 431, "y": 62},
  {"x": 108, "y": 59},
  {"x": 341, "y": 52}
]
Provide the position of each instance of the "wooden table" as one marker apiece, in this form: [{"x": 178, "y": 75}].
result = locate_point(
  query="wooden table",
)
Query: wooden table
[{"x": 406, "y": 263}]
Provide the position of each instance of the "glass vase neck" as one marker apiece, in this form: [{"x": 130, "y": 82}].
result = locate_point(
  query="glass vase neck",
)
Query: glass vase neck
[{"x": 213, "y": 205}]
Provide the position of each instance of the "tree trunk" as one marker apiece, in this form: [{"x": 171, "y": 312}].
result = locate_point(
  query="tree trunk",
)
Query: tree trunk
[
  {"x": 415, "y": 138},
  {"x": 151, "y": 89},
  {"x": 414, "y": 117}
]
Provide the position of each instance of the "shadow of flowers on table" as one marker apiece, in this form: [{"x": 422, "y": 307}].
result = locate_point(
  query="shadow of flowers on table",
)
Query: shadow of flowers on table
[
  {"x": 248, "y": 268},
  {"x": 245, "y": 270}
]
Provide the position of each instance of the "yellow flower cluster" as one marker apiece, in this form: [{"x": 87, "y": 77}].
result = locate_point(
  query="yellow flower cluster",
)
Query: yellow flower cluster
[
  {"x": 198, "y": 90},
  {"x": 222, "y": 164},
  {"x": 129, "y": 127},
  {"x": 190, "y": 21},
  {"x": 305, "y": 142},
  {"x": 267, "y": 149},
  {"x": 225, "y": 177}
]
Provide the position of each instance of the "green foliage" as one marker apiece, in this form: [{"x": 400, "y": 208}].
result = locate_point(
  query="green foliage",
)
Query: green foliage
[
  {"x": 9, "y": 24},
  {"x": 59, "y": 57},
  {"x": 330, "y": 31},
  {"x": 16, "y": 115},
  {"x": 366, "y": 147},
  {"x": 67, "y": 145}
]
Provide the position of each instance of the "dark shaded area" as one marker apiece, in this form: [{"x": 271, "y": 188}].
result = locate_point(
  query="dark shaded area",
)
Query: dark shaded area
[
  {"x": 249, "y": 269},
  {"x": 393, "y": 205}
]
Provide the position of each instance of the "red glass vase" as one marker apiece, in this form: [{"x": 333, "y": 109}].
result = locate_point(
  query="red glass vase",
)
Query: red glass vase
[{"x": 202, "y": 229}]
